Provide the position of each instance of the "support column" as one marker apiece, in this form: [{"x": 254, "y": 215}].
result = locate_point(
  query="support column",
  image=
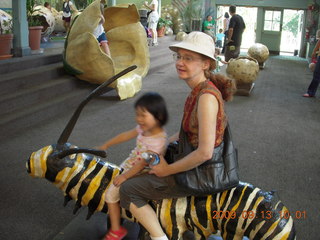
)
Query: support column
[
  {"x": 111, "y": 3},
  {"x": 20, "y": 29}
]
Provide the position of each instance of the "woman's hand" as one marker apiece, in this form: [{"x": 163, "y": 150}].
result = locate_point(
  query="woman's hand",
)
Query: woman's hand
[
  {"x": 161, "y": 169},
  {"x": 119, "y": 180}
]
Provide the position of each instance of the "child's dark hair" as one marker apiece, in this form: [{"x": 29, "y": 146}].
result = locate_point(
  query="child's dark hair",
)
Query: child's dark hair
[{"x": 154, "y": 103}]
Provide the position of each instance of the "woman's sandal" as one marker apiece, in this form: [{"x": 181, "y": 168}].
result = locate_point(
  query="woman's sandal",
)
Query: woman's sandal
[
  {"x": 307, "y": 95},
  {"x": 116, "y": 235}
]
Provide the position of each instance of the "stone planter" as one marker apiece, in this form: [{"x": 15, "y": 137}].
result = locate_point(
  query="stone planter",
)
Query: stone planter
[
  {"x": 244, "y": 70},
  {"x": 5, "y": 46},
  {"x": 35, "y": 37},
  {"x": 259, "y": 52}
]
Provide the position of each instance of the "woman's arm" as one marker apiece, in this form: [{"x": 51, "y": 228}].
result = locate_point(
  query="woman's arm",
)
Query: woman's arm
[
  {"x": 225, "y": 21},
  {"x": 207, "y": 117},
  {"x": 122, "y": 137},
  {"x": 72, "y": 7}
]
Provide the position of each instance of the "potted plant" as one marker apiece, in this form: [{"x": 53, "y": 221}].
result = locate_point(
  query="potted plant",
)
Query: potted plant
[
  {"x": 162, "y": 24},
  {"x": 35, "y": 26},
  {"x": 6, "y": 36}
]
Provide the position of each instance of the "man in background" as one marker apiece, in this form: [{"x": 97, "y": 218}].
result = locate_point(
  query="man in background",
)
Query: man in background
[{"x": 234, "y": 38}]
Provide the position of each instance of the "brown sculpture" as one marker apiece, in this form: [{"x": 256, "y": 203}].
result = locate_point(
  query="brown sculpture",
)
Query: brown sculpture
[{"x": 127, "y": 43}]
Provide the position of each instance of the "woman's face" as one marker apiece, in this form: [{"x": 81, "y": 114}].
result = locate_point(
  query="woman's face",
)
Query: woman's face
[{"x": 190, "y": 65}]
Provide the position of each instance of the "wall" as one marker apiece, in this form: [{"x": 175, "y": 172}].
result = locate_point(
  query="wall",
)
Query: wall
[
  {"x": 294, "y": 4},
  {"x": 139, "y": 3}
]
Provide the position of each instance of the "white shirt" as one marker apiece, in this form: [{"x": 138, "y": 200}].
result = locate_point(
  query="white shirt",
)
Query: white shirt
[{"x": 69, "y": 13}]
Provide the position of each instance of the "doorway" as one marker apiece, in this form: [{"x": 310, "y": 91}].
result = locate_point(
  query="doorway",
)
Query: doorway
[
  {"x": 291, "y": 35},
  {"x": 249, "y": 15}
]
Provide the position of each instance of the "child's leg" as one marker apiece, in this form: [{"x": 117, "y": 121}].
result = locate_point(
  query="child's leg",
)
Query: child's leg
[
  {"x": 105, "y": 48},
  {"x": 114, "y": 214},
  {"x": 112, "y": 198}
]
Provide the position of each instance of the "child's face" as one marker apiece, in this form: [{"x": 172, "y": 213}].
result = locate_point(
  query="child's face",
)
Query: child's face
[{"x": 146, "y": 120}]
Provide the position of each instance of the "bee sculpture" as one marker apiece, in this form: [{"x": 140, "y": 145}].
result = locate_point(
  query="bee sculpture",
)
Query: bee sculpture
[{"x": 84, "y": 176}]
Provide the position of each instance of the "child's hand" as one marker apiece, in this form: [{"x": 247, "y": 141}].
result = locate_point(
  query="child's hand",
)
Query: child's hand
[
  {"x": 119, "y": 179},
  {"x": 102, "y": 147}
]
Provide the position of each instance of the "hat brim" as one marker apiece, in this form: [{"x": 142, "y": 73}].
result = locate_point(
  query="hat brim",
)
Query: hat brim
[{"x": 190, "y": 47}]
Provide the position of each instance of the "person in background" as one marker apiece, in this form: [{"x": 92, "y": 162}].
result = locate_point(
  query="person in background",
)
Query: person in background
[
  {"x": 220, "y": 38},
  {"x": 47, "y": 5},
  {"x": 151, "y": 116},
  {"x": 153, "y": 19},
  {"x": 312, "y": 65},
  {"x": 67, "y": 7},
  {"x": 218, "y": 59},
  {"x": 313, "y": 86},
  {"x": 100, "y": 34},
  {"x": 208, "y": 26},
  {"x": 234, "y": 37},
  {"x": 204, "y": 122},
  {"x": 226, "y": 21}
]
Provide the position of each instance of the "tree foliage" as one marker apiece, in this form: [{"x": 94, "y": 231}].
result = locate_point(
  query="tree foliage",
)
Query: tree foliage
[{"x": 291, "y": 26}]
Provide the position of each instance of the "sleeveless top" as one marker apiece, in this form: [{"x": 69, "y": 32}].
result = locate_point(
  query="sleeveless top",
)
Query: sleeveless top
[{"x": 190, "y": 122}]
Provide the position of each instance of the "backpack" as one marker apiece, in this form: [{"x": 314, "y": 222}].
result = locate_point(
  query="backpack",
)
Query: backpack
[{"x": 66, "y": 7}]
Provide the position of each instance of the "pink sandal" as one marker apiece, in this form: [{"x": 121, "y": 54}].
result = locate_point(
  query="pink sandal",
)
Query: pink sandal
[{"x": 116, "y": 235}]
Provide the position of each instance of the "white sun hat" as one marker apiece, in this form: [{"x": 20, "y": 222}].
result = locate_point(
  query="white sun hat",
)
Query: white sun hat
[{"x": 198, "y": 42}]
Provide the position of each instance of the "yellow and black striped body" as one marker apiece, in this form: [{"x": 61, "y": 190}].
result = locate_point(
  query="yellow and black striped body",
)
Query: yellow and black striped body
[{"x": 241, "y": 211}]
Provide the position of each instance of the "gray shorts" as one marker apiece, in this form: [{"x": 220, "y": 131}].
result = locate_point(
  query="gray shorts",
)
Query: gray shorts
[{"x": 145, "y": 187}]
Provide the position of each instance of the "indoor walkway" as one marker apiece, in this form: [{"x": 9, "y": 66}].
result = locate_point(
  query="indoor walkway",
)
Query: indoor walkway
[{"x": 275, "y": 129}]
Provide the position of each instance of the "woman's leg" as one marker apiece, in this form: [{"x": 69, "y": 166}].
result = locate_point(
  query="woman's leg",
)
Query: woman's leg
[
  {"x": 148, "y": 218},
  {"x": 135, "y": 194}
]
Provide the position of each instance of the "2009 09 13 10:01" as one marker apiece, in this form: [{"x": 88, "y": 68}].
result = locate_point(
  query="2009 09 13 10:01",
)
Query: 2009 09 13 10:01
[{"x": 251, "y": 214}]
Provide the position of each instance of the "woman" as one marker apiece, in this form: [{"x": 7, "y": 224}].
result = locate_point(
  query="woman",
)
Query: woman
[
  {"x": 313, "y": 87},
  {"x": 226, "y": 22},
  {"x": 204, "y": 122},
  {"x": 67, "y": 7}
]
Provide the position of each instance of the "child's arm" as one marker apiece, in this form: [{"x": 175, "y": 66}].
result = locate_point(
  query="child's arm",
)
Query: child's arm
[
  {"x": 174, "y": 137},
  {"x": 138, "y": 167},
  {"x": 122, "y": 137},
  {"x": 102, "y": 19},
  {"x": 224, "y": 62}
]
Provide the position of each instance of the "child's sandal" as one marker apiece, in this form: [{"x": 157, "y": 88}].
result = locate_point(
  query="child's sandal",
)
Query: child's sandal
[{"x": 116, "y": 235}]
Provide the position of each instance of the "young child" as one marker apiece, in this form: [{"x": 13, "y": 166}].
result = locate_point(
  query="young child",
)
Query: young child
[
  {"x": 220, "y": 37},
  {"x": 151, "y": 116},
  {"x": 218, "y": 59},
  {"x": 100, "y": 34}
]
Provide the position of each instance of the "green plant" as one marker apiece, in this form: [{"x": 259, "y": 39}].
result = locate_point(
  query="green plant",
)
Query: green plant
[
  {"x": 6, "y": 26},
  {"x": 33, "y": 20},
  {"x": 164, "y": 23}
]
